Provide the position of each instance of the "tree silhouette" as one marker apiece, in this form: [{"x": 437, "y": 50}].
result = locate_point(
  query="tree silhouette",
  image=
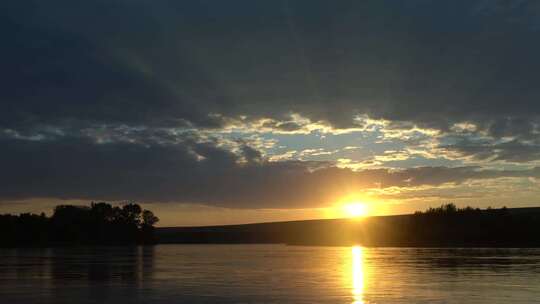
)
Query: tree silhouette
[
  {"x": 100, "y": 223},
  {"x": 149, "y": 219}
]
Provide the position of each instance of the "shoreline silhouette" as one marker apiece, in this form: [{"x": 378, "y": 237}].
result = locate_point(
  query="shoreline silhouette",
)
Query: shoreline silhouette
[
  {"x": 70, "y": 225},
  {"x": 445, "y": 226}
]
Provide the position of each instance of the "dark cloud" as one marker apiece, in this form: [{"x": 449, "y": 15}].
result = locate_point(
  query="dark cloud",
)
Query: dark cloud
[
  {"x": 97, "y": 96},
  {"x": 520, "y": 127},
  {"x": 195, "y": 172},
  {"x": 168, "y": 63},
  {"x": 251, "y": 155},
  {"x": 484, "y": 150},
  {"x": 287, "y": 126}
]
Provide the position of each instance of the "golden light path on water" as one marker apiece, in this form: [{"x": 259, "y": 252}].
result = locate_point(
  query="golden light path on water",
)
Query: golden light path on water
[{"x": 357, "y": 275}]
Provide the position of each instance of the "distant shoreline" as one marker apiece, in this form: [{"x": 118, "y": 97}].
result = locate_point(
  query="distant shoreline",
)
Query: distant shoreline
[
  {"x": 443, "y": 227},
  {"x": 504, "y": 228}
]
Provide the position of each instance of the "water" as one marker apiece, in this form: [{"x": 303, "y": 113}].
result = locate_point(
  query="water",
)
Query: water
[{"x": 269, "y": 274}]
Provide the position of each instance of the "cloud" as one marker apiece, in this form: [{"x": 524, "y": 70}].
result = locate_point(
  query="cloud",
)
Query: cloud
[
  {"x": 194, "y": 171},
  {"x": 176, "y": 63},
  {"x": 148, "y": 102},
  {"x": 512, "y": 151}
]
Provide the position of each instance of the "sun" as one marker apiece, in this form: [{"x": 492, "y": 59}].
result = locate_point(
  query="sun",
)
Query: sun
[
  {"x": 356, "y": 209},
  {"x": 354, "y": 206}
]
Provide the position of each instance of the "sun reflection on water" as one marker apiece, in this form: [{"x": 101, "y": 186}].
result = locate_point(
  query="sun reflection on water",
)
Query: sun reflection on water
[{"x": 357, "y": 275}]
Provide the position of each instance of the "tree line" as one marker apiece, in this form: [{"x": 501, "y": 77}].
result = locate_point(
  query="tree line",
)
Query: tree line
[
  {"x": 451, "y": 209},
  {"x": 97, "y": 224}
]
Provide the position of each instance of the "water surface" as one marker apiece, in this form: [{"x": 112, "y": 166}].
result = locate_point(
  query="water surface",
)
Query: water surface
[{"x": 269, "y": 274}]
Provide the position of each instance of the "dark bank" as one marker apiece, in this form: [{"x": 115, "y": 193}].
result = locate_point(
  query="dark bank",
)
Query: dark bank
[
  {"x": 445, "y": 226},
  {"x": 97, "y": 224}
]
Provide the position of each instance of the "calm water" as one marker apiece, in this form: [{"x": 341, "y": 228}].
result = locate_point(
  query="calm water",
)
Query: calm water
[{"x": 269, "y": 274}]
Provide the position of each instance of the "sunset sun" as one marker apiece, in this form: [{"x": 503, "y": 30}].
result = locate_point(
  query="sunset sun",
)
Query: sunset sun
[{"x": 356, "y": 209}]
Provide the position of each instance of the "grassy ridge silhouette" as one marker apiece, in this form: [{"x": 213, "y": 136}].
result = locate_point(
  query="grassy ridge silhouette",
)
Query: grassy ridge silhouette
[{"x": 444, "y": 226}]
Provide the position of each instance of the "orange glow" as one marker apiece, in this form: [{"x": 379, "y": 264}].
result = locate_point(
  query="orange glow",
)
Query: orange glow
[
  {"x": 356, "y": 209},
  {"x": 356, "y": 206}
]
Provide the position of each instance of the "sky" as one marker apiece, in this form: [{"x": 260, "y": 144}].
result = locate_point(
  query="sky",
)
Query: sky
[{"x": 221, "y": 112}]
